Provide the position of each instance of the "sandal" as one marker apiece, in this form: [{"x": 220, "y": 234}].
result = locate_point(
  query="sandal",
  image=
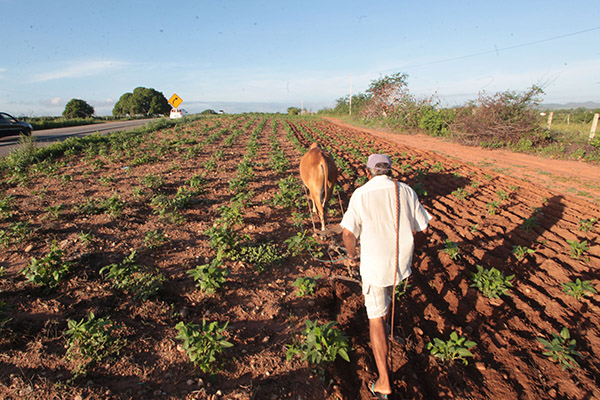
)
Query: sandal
[{"x": 377, "y": 395}]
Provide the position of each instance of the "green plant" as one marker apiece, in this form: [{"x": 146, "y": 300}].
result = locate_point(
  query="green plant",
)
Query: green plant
[
  {"x": 289, "y": 193},
  {"x": 474, "y": 228},
  {"x": 451, "y": 249},
  {"x": 133, "y": 278},
  {"x": 301, "y": 242},
  {"x": 460, "y": 193},
  {"x": 203, "y": 343},
  {"x": 562, "y": 349},
  {"x": 85, "y": 237},
  {"x": 154, "y": 239},
  {"x": 320, "y": 344},
  {"x": 530, "y": 223},
  {"x": 502, "y": 195},
  {"x": 17, "y": 232},
  {"x": 7, "y": 206},
  {"x": 579, "y": 288},
  {"x": 586, "y": 225},
  {"x": 209, "y": 277},
  {"x": 90, "y": 341},
  {"x": 491, "y": 282},
  {"x": 402, "y": 289},
  {"x": 306, "y": 285},
  {"x": 521, "y": 252},
  {"x": 153, "y": 181},
  {"x": 492, "y": 206},
  {"x": 455, "y": 348},
  {"x": 47, "y": 271},
  {"x": 259, "y": 255},
  {"x": 578, "y": 248}
]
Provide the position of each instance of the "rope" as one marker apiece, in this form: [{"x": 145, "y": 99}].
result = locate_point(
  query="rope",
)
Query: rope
[{"x": 391, "y": 361}]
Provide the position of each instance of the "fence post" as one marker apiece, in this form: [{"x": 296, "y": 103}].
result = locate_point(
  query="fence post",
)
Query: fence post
[
  {"x": 594, "y": 126},
  {"x": 550, "y": 116}
]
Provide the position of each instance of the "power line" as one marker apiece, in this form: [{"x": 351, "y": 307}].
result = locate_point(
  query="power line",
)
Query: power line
[{"x": 497, "y": 50}]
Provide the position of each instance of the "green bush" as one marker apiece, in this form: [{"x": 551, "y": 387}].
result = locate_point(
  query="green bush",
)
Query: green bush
[
  {"x": 455, "y": 348},
  {"x": 436, "y": 122}
]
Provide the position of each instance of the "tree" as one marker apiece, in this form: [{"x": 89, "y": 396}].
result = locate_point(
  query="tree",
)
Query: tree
[
  {"x": 386, "y": 92},
  {"x": 76, "y": 108},
  {"x": 293, "y": 111},
  {"x": 143, "y": 101}
]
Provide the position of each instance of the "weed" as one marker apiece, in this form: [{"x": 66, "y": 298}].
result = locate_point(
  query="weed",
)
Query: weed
[
  {"x": 209, "y": 277},
  {"x": 7, "y": 206},
  {"x": 53, "y": 212},
  {"x": 585, "y": 225},
  {"x": 521, "y": 252},
  {"x": 492, "y": 206},
  {"x": 474, "y": 228},
  {"x": 47, "y": 271},
  {"x": 402, "y": 289},
  {"x": 16, "y": 233},
  {"x": 259, "y": 255},
  {"x": 455, "y": 348},
  {"x": 154, "y": 239},
  {"x": 203, "y": 343},
  {"x": 460, "y": 193},
  {"x": 85, "y": 237},
  {"x": 451, "y": 249},
  {"x": 502, "y": 195},
  {"x": 153, "y": 182},
  {"x": 306, "y": 285},
  {"x": 579, "y": 288},
  {"x": 529, "y": 223},
  {"x": 562, "y": 349},
  {"x": 289, "y": 193},
  {"x": 301, "y": 242},
  {"x": 321, "y": 344},
  {"x": 133, "y": 278},
  {"x": 491, "y": 282},
  {"x": 578, "y": 248},
  {"x": 91, "y": 341}
]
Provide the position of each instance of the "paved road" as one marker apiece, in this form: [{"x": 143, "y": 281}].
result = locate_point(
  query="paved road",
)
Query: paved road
[{"x": 48, "y": 136}]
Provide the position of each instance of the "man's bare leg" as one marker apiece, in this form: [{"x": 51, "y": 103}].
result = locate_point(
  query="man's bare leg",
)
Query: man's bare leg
[{"x": 379, "y": 343}]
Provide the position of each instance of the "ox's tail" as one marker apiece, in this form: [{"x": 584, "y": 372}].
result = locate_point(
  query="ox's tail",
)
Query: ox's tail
[{"x": 324, "y": 188}]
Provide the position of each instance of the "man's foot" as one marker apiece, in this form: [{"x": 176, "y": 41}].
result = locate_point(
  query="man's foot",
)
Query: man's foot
[{"x": 378, "y": 394}]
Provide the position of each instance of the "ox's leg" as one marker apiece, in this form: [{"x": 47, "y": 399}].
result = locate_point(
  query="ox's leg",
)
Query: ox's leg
[{"x": 318, "y": 207}]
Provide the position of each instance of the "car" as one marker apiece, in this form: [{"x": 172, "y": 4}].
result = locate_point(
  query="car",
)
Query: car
[
  {"x": 10, "y": 126},
  {"x": 176, "y": 113}
]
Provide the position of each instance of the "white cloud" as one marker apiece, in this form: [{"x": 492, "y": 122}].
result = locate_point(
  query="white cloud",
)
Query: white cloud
[{"x": 78, "y": 70}]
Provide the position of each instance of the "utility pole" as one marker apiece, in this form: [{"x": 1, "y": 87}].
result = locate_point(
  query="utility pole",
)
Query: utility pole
[{"x": 350, "y": 113}]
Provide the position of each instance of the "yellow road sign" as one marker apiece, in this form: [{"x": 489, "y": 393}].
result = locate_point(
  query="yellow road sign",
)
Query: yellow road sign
[{"x": 175, "y": 100}]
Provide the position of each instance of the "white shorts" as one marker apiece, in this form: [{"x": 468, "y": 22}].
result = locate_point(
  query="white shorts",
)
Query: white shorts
[{"x": 377, "y": 300}]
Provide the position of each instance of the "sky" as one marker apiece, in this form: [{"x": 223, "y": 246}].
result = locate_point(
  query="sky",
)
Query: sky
[{"x": 266, "y": 56}]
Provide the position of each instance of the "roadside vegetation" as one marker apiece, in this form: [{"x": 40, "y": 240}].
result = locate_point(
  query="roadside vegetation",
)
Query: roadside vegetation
[{"x": 515, "y": 120}]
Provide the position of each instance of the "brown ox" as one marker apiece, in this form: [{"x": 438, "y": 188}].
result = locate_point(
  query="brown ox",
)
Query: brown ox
[{"x": 319, "y": 174}]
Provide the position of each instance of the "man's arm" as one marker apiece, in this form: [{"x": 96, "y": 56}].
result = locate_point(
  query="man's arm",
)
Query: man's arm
[{"x": 349, "y": 243}]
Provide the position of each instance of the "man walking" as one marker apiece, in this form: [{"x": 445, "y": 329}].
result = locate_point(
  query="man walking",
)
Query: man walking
[{"x": 385, "y": 215}]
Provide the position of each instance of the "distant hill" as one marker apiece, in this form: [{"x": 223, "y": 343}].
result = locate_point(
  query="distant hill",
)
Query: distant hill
[{"x": 568, "y": 106}]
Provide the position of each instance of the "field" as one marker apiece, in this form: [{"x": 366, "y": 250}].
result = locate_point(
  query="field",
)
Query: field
[{"x": 126, "y": 222}]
